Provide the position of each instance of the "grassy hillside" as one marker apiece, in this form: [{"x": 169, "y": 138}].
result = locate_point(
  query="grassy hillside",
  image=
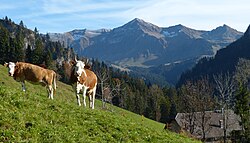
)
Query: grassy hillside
[{"x": 31, "y": 117}]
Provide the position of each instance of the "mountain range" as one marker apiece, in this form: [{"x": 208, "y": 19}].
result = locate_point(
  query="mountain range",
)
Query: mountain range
[
  {"x": 225, "y": 61},
  {"x": 153, "y": 52}
]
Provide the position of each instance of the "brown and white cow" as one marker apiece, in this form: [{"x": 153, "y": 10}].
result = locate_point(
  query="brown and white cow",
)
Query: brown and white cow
[
  {"x": 22, "y": 72},
  {"x": 82, "y": 79}
]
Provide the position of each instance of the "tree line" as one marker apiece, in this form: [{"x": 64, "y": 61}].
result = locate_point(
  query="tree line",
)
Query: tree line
[{"x": 18, "y": 43}]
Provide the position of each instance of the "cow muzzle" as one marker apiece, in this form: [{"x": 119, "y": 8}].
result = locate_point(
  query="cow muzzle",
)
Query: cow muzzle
[{"x": 10, "y": 74}]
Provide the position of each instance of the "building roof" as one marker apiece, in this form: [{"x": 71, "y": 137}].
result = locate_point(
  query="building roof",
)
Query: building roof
[{"x": 213, "y": 123}]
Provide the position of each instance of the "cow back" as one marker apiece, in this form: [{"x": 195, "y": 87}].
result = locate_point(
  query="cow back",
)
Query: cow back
[
  {"x": 33, "y": 73},
  {"x": 90, "y": 80}
]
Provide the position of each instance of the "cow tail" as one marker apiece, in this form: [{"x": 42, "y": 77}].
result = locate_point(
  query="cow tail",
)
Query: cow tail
[{"x": 54, "y": 83}]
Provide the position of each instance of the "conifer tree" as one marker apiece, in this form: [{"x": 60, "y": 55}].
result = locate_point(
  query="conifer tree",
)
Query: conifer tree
[
  {"x": 242, "y": 108},
  {"x": 19, "y": 45},
  {"x": 4, "y": 44},
  {"x": 21, "y": 24},
  {"x": 48, "y": 60},
  {"x": 37, "y": 54},
  {"x": 28, "y": 54}
]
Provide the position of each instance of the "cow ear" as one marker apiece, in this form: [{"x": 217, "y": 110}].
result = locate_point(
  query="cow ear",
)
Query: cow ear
[
  {"x": 6, "y": 64},
  {"x": 17, "y": 65},
  {"x": 87, "y": 67}
]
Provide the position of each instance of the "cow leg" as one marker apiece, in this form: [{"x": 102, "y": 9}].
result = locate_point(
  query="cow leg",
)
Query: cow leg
[
  {"x": 90, "y": 99},
  {"x": 78, "y": 99},
  {"x": 84, "y": 91},
  {"x": 23, "y": 86},
  {"x": 93, "y": 97},
  {"x": 78, "y": 88},
  {"x": 50, "y": 90}
]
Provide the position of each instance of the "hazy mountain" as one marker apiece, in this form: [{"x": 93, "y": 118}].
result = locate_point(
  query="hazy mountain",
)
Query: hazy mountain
[
  {"x": 143, "y": 45},
  {"x": 222, "y": 35},
  {"x": 77, "y": 39},
  {"x": 224, "y": 61}
]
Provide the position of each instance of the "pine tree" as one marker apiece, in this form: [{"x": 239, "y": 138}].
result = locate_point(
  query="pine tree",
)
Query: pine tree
[
  {"x": 242, "y": 108},
  {"x": 19, "y": 45},
  {"x": 155, "y": 94},
  {"x": 21, "y": 24},
  {"x": 48, "y": 60},
  {"x": 4, "y": 44},
  {"x": 37, "y": 54},
  {"x": 36, "y": 31},
  {"x": 165, "y": 108},
  {"x": 11, "y": 50},
  {"x": 28, "y": 54}
]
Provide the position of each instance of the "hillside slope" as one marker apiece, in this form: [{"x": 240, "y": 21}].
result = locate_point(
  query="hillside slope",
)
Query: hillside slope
[{"x": 31, "y": 117}]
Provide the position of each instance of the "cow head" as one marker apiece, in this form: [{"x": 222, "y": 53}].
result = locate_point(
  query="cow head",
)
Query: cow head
[
  {"x": 79, "y": 68},
  {"x": 11, "y": 67}
]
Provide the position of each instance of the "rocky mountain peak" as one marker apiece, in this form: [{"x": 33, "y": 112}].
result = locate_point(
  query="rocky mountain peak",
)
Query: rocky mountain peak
[
  {"x": 137, "y": 22},
  {"x": 192, "y": 33},
  {"x": 223, "y": 29},
  {"x": 177, "y": 27},
  {"x": 140, "y": 25},
  {"x": 223, "y": 33}
]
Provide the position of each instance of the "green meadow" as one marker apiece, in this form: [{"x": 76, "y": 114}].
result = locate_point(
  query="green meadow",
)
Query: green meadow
[{"x": 31, "y": 117}]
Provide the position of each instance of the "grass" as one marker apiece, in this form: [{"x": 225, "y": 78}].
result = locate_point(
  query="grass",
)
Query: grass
[{"x": 31, "y": 117}]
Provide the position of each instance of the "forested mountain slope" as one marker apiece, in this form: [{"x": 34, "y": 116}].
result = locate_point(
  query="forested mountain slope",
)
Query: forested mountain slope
[{"x": 224, "y": 61}]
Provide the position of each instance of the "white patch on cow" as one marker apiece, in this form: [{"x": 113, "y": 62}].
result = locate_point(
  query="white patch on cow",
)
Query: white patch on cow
[
  {"x": 79, "y": 68},
  {"x": 79, "y": 87},
  {"x": 84, "y": 88},
  {"x": 84, "y": 91},
  {"x": 11, "y": 68}
]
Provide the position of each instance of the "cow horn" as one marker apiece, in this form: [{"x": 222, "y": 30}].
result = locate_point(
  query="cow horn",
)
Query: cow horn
[{"x": 75, "y": 59}]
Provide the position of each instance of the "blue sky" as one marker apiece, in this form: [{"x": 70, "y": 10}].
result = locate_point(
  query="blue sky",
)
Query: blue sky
[{"x": 66, "y": 15}]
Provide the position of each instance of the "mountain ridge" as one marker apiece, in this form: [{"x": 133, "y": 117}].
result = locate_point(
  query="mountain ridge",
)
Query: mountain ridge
[
  {"x": 224, "y": 61},
  {"x": 142, "y": 44}
]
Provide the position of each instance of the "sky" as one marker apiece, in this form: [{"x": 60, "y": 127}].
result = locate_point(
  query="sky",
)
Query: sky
[{"x": 59, "y": 16}]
